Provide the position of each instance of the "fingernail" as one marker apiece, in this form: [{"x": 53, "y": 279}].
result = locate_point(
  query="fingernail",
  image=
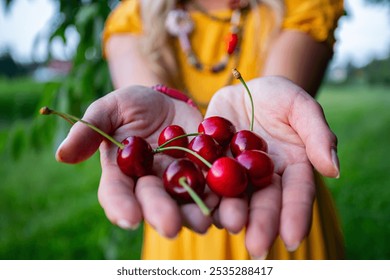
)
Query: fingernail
[
  {"x": 261, "y": 257},
  {"x": 160, "y": 231},
  {"x": 63, "y": 142},
  {"x": 163, "y": 233},
  {"x": 58, "y": 155},
  {"x": 336, "y": 162},
  {"x": 124, "y": 224},
  {"x": 293, "y": 247}
]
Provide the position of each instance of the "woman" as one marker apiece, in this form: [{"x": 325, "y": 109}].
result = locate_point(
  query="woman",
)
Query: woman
[{"x": 182, "y": 44}]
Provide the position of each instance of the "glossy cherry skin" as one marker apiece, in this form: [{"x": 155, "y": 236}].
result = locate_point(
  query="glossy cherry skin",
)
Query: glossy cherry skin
[
  {"x": 169, "y": 133},
  {"x": 136, "y": 158},
  {"x": 227, "y": 177},
  {"x": 247, "y": 140},
  {"x": 259, "y": 166},
  {"x": 194, "y": 178},
  {"x": 206, "y": 147},
  {"x": 221, "y": 129}
]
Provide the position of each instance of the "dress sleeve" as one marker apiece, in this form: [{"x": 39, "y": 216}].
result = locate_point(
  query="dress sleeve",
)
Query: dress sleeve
[
  {"x": 125, "y": 18},
  {"x": 318, "y": 18}
]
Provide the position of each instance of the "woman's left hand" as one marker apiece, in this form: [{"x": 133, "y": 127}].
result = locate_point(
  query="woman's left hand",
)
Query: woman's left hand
[{"x": 298, "y": 137}]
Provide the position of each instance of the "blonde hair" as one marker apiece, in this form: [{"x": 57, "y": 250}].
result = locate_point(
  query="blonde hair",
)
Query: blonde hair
[{"x": 156, "y": 45}]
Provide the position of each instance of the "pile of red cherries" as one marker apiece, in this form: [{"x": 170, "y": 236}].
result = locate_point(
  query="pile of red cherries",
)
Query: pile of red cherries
[{"x": 205, "y": 153}]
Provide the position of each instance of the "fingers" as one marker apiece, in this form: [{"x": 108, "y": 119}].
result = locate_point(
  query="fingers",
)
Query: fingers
[
  {"x": 116, "y": 193},
  {"x": 233, "y": 213},
  {"x": 194, "y": 218},
  {"x": 158, "y": 208},
  {"x": 126, "y": 204},
  {"x": 264, "y": 217},
  {"x": 307, "y": 118},
  {"x": 298, "y": 197}
]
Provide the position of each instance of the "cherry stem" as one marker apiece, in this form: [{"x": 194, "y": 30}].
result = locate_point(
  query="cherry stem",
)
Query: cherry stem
[
  {"x": 159, "y": 149},
  {"x": 238, "y": 76},
  {"x": 72, "y": 119},
  {"x": 202, "y": 206},
  {"x": 178, "y": 137}
]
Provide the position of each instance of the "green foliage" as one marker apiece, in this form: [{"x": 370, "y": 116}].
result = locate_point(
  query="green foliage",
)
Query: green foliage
[
  {"x": 89, "y": 77},
  {"x": 9, "y": 67},
  {"x": 378, "y": 72},
  {"x": 21, "y": 127},
  {"x": 18, "y": 99}
]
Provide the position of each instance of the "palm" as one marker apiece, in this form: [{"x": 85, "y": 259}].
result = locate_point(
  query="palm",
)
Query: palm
[
  {"x": 271, "y": 122},
  {"x": 284, "y": 117},
  {"x": 145, "y": 113}
]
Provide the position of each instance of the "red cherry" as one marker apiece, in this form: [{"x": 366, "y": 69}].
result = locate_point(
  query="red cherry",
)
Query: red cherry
[
  {"x": 259, "y": 166},
  {"x": 247, "y": 140},
  {"x": 192, "y": 174},
  {"x": 136, "y": 157},
  {"x": 227, "y": 177},
  {"x": 221, "y": 129},
  {"x": 206, "y": 147},
  {"x": 169, "y": 133}
]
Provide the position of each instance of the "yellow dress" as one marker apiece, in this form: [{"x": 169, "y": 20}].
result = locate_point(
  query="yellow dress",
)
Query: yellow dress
[{"x": 317, "y": 18}]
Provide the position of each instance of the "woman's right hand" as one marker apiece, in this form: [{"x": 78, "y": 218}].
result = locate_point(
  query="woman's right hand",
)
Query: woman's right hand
[{"x": 143, "y": 112}]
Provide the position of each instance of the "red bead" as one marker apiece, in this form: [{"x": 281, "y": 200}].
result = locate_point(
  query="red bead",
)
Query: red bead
[{"x": 232, "y": 43}]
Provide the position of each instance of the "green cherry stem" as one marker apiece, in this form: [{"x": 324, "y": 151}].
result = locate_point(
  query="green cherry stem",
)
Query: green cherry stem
[
  {"x": 72, "y": 119},
  {"x": 182, "y": 181},
  {"x": 48, "y": 111},
  {"x": 159, "y": 149},
  {"x": 238, "y": 76},
  {"x": 178, "y": 137},
  {"x": 202, "y": 206}
]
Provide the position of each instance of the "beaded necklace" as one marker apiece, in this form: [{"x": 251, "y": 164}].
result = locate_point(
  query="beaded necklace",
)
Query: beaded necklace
[{"x": 180, "y": 25}]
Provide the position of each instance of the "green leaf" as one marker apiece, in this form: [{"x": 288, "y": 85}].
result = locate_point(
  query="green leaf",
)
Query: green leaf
[{"x": 86, "y": 14}]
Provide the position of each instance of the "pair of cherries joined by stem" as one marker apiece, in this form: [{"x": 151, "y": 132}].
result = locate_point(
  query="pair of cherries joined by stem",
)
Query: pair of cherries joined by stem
[{"x": 184, "y": 178}]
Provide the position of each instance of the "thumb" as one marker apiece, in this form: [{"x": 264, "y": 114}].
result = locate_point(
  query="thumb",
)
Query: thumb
[
  {"x": 82, "y": 141},
  {"x": 319, "y": 140}
]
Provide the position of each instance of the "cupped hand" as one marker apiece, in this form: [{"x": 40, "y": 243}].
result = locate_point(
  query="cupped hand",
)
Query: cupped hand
[
  {"x": 298, "y": 137},
  {"x": 142, "y": 112}
]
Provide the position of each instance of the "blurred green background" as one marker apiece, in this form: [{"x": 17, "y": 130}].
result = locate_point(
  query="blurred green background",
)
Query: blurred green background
[{"x": 50, "y": 210}]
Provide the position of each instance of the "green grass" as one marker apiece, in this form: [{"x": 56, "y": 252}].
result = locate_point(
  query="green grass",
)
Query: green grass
[
  {"x": 50, "y": 210},
  {"x": 360, "y": 117},
  {"x": 18, "y": 99}
]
